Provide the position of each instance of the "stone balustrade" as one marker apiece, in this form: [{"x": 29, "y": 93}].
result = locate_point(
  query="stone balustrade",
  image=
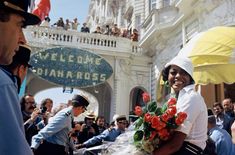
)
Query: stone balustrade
[{"x": 46, "y": 36}]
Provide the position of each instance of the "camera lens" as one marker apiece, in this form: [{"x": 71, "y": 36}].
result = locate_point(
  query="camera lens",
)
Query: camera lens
[{"x": 43, "y": 110}]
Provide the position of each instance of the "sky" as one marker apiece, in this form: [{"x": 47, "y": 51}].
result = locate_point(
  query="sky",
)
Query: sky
[
  {"x": 66, "y": 9},
  {"x": 69, "y": 9}
]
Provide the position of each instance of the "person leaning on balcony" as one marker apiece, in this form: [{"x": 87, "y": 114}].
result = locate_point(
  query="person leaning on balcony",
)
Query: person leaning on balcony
[
  {"x": 190, "y": 137},
  {"x": 60, "y": 23},
  {"x": 75, "y": 24},
  {"x": 135, "y": 35},
  {"x": 98, "y": 30},
  {"x": 13, "y": 18},
  {"x": 115, "y": 31},
  {"x": 85, "y": 28},
  {"x": 107, "y": 30},
  {"x": 67, "y": 24}
]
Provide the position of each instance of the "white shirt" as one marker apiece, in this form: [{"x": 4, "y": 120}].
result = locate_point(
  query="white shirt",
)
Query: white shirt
[
  {"x": 195, "y": 125},
  {"x": 74, "y": 25}
]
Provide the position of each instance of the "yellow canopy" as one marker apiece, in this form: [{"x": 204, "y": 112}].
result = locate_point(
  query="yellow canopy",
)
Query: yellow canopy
[{"x": 213, "y": 55}]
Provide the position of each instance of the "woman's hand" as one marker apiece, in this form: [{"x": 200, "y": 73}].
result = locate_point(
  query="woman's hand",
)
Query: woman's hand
[{"x": 172, "y": 146}]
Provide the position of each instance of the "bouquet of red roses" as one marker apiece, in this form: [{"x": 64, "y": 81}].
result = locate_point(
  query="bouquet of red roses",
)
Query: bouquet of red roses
[{"x": 155, "y": 124}]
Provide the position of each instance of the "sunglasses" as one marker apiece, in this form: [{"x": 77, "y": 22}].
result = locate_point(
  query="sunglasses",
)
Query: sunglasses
[
  {"x": 30, "y": 102},
  {"x": 124, "y": 123}
]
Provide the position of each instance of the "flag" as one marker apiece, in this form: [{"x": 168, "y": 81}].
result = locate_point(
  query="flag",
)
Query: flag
[{"x": 42, "y": 8}]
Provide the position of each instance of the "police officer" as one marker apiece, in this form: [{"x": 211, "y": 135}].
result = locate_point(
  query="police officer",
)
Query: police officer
[
  {"x": 13, "y": 18},
  {"x": 109, "y": 134},
  {"x": 54, "y": 137},
  {"x": 20, "y": 64}
]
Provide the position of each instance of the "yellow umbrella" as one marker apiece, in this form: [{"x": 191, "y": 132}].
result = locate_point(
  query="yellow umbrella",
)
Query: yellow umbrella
[{"x": 213, "y": 55}]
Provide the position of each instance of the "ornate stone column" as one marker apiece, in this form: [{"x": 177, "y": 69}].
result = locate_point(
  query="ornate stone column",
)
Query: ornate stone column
[{"x": 121, "y": 86}]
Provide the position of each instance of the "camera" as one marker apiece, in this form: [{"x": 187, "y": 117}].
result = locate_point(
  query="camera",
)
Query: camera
[{"x": 43, "y": 110}]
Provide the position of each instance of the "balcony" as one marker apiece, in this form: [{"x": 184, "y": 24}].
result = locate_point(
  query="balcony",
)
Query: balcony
[
  {"x": 101, "y": 44},
  {"x": 159, "y": 19}
]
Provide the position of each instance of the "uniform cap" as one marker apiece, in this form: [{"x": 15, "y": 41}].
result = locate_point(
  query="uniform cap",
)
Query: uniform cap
[
  {"x": 20, "y": 7},
  {"x": 79, "y": 100},
  {"x": 120, "y": 118},
  {"x": 182, "y": 62},
  {"x": 22, "y": 56}
]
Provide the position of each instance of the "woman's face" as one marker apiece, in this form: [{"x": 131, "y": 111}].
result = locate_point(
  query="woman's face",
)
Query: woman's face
[{"x": 178, "y": 78}]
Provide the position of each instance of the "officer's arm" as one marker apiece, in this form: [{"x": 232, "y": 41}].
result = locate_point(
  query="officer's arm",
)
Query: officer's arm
[
  {"x": 96, "y": 139},
  {"x": 58, "y": 122}
]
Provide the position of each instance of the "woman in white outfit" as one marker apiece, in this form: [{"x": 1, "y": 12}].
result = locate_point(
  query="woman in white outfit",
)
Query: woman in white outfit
[{"x": 190, "y": 137}]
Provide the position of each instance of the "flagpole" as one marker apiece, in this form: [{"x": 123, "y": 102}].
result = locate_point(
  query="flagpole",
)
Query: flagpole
[{"x": 32, "y": 5}]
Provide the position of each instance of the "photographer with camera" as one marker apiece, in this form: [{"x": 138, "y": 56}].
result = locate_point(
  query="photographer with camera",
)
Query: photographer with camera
[
  {"x": 34, "y": 118},
  {"x": 89, "y": 129},
  {"x": 48, "y": 104}
]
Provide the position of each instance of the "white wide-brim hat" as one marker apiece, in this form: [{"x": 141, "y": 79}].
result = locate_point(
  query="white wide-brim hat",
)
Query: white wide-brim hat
[{"x": 182, "y": 62}]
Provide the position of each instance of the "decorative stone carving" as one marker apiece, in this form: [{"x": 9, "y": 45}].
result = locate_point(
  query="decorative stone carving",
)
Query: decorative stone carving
[
  {"x": 222, "y": 14},
  {"x": 124, "y": 65}
]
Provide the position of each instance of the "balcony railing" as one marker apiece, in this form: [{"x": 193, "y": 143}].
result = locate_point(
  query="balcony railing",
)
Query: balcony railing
[
  {"x": 45, "y": 36},
  {"x": 161, "y": 16}
]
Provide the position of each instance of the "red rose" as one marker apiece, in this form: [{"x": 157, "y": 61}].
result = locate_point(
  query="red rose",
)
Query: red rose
[
  {"x": 163, "y": 134},
  {"x": 146, "y": 97},
  {"x": 179, "y": 121},
  {"x": 171, "y": 111},
  {"x": 165, "y": 117},
  {"x": 138, "y": 111},
  {"x": 171, "y": 101},
  {"x": 182, "y": 115},
  {"x": 147, "y": 117},
  {"x": 152, "y": 135},
  {"x": 155, "y": 121},
  {"x": 160, "y": 126}
]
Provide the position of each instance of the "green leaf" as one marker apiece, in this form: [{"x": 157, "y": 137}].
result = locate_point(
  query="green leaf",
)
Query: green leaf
[
  {"x": 145, "y": 110},
  {"x": 158, "y": 111},
  {"x": 138, "y": 136},
  {"x": 139, "y": 122},
  {"x": 152, "y": 106},
  {"x": 147, "y": 133},
  {"x": 164, "y": 108},
  {"x": 146, "y": 125}
]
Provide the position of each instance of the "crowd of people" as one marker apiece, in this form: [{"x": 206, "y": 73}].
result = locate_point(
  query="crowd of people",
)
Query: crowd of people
[
  {"x": 107, "y": 30},
  {"x": 56, "y": 132}
]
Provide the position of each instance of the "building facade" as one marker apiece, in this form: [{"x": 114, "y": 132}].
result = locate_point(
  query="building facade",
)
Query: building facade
[
  {"x": 169, "y": 27},
  {"x": 164, "y": 26}
]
